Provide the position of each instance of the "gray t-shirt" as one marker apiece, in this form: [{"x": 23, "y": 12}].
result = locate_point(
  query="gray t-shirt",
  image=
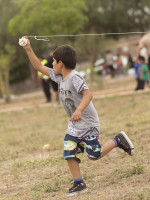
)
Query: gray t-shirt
[{"x": 70, "y": 94}]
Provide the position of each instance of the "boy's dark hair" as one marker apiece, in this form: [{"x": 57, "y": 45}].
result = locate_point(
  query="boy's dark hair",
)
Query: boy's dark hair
[
  {"x": 141, "y": 58},
  {"x": 67, "y": 55}
]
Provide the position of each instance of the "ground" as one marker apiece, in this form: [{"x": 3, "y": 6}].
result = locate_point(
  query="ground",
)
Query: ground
[{"x": 28, "y": 172}]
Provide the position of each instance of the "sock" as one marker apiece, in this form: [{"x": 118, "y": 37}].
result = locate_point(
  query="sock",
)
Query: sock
[
  {"x": 116, "y": 142},
  {"x": 79, "y": 180}
]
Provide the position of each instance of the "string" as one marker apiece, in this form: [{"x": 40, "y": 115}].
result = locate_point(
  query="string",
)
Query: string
[{"x": 46, "y": 38}]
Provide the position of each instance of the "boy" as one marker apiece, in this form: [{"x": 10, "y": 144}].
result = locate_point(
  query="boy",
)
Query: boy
[
  {"x": 84, "y": 125},
  {"x": 144, "y": 72},
  {"x": 138, "y": 77}
]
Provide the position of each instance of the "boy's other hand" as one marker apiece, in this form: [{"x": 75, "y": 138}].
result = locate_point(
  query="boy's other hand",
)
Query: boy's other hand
[{"x": 76, "y": 116}]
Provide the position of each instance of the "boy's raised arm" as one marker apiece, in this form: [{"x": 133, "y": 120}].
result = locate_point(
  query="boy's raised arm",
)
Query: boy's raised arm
[{"x": 34, "y": 60}]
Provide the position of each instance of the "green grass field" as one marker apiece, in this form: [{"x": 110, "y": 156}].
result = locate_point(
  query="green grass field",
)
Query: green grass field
[{"x": 27, "y": 172}]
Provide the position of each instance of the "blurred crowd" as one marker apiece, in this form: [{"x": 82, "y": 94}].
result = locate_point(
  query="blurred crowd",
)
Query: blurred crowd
[
  {"x": 123, "y": 63},
  {"x": 115, "y": 64}
]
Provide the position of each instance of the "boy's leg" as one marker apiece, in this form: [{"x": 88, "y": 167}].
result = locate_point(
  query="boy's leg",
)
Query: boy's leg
[
  {"x": 107, "y": 148},
  {"x": 74, "y": 168},
  {"x": 78, "y": 186},
  {"x": 95, "y": 151},
  {"x": 70, "y": 148},
  {"x": 121, "y": 140}
]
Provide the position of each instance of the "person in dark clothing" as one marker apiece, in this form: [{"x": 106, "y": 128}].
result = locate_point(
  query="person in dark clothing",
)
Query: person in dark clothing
[
  {"x": 110, "y": 63},
  {"x": 130, "y": 61},
  {"x": 51, "y": 82},
  {"x": 45, "y": 81},
  {"x": 138, "y": 75}
]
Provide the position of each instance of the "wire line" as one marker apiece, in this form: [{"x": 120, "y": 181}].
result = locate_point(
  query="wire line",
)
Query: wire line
[{"x": 84, "y": 34}]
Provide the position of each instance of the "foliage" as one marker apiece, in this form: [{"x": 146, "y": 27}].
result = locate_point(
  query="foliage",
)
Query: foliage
[
  {"x": 9, "y": 52},
  {"x": 45, "y": 17},
  {"x": 7, "y": 11},
  {"x": 48, "y": 17},
  {"x": 3, "y": 72},
  {"x": 40, "y": 17},
  {"x": 5, "y": 58},
  {"x": 105, "y": 17},
  {"x": 118, "y": 15},
  {"x": 89, "y": 47}
]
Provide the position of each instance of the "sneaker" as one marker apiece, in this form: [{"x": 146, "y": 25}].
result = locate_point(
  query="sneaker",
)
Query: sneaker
[
  {"x": 77, "y": 188},
  {"x": 125, "y": 143}
]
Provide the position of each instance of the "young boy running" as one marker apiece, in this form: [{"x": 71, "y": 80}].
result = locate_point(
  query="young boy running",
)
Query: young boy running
[{"x": 84, "y": 125}]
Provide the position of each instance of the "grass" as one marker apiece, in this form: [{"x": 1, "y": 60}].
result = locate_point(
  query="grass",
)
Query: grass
[{"x": 27, "y": 172}]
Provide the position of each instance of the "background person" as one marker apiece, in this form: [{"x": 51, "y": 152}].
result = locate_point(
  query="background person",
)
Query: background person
[
  {"x": 145, "y": 42},
  {"x": 110, "y": 63},
  {"x": 138, "y": 76},
  {"x": 45, "y": 80},
  {"x": 51, "y": 82},
  {"x": 144, "y": 73}
]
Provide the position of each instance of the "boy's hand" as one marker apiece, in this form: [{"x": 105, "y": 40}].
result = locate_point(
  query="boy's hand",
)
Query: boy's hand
[
  {"x": 27, "y": 46},
  {"x": 76, "y": 116}
]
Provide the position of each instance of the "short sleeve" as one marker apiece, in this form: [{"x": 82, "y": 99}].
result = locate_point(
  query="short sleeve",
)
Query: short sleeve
[
  {"x": 55, "y": 77},
  {"x": 79, "y": 83}
]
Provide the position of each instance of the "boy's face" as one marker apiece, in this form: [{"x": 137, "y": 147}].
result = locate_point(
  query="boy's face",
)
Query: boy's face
[
  {"x": 142, "y": 61},
  {"x": 57, "y": 66}
]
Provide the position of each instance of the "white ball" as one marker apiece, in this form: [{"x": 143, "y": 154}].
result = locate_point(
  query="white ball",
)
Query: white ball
[
  {"x": 46, "y": 147},
  {"x": 22, "y": 41}
]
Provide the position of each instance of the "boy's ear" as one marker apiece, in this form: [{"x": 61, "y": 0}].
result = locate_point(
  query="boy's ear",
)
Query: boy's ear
[{"x": 62, "y": 64}]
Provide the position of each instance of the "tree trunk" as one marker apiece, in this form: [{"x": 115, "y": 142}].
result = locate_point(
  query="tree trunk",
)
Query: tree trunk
[
  {"x": 7, "y": 87},
  {"x": 2, "y": 87}
]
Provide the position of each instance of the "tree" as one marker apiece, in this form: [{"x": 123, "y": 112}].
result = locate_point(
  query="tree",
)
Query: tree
[
  {"x": 46, "y": 17},
  {"x": 111, "y": 16},
  {"x": 118, "y": 15},
  {"x": 40, "y": 17},
  {"x": 89, "y": 47},
  {"x": 6, "y": 45},
  {"x": 7, "y": 11},
  {"x": 5, "y": 58}
]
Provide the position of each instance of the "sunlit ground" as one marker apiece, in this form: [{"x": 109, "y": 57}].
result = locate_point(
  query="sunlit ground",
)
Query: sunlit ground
[{"x": 29, "y": 172}]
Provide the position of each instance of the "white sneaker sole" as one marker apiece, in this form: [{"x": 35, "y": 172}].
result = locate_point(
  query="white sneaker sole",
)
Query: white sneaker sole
[
  {"x": 77, "y": 193},
  {"x": 129, "y": 142}
]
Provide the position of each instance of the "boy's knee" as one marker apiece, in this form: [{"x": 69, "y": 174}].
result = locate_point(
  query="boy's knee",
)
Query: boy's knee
[{"x": 95, "y": 155}]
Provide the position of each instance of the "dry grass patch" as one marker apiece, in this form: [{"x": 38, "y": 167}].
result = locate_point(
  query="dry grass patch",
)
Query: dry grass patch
[{"x": 27, "y": 172}]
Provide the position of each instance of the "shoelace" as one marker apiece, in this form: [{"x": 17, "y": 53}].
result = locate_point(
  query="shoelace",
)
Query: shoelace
[
  {"x": 125, "y": 147},
  {"x": 74, "y": 186}
]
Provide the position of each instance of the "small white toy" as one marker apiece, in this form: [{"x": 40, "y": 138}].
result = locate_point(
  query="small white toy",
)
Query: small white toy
[
  {"x": 22, "y": 41},
  {"x": 46, "y": 147}
]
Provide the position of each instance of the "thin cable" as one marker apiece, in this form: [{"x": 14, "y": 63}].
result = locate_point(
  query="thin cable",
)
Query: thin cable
[
  {"x": 35, "y": 37},
  {"x": 85, "y": 34}
]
